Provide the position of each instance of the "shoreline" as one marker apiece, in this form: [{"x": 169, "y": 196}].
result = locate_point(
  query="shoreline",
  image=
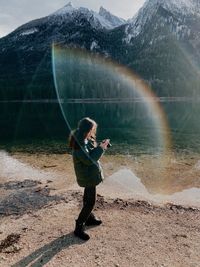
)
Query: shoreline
[
  {"x": 59, "y": 146},
  {"x": 175, "y": 180},
  {"x": 39, "y": 203}
]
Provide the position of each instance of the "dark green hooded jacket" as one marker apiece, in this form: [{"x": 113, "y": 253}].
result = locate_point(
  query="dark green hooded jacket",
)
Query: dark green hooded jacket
[{"x": 87, "y": 166}]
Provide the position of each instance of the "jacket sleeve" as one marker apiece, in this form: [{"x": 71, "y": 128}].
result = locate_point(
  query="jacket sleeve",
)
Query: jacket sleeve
[{"x": 91, "y": 157}]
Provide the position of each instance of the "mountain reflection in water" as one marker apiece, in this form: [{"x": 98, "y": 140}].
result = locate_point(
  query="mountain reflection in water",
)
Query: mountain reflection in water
[
  {"x": 125, "y": 184},
  {"x": 123, "y": 122}
]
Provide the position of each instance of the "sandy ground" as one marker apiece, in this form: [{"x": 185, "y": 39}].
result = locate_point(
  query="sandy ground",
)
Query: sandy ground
[{"x": 39, "y": 201}]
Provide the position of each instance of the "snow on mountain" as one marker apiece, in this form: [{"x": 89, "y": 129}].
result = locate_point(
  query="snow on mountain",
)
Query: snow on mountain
[
  {"x": 70, "y": 14},
  {"x": 154, "y": 53},
  {"x": 103, "y": 19},
  {"x": 183, "y": 8},
  {"x": 29, "y": 31},
  {"x": 67, "y": 9},
  {"x": 114, "y": 20}
]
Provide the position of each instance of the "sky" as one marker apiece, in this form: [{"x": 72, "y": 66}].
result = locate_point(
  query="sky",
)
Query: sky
[{"x": 14, "y": 13}]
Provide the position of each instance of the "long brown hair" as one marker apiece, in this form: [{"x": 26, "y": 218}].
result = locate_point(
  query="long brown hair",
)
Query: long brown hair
[{"x": 77, "y": 136}]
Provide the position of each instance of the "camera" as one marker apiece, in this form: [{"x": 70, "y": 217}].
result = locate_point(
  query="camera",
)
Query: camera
[{"x": 109, "y": 144}]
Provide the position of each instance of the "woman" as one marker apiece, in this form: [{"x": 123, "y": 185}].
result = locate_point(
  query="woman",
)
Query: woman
[{"x": 86, "y": 154}]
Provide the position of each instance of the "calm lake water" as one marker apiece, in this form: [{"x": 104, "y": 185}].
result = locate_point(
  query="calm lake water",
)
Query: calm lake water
[{"x": 127, "y": 124}]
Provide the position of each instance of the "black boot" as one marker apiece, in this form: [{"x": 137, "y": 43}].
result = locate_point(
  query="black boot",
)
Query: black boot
[
  {"x": 92, "y": 220},
  {"x": 79, "y": 232}
]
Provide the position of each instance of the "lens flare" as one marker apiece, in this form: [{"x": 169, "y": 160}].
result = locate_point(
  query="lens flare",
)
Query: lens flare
[{"x": 123, "y": 105}]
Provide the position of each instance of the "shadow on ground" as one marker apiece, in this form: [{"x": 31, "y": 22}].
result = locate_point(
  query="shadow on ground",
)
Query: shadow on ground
[{"x": 43, "y": 255}]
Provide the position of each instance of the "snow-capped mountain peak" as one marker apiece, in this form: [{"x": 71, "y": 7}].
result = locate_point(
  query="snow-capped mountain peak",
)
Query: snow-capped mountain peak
[
  {"x": 175, "y": 6},
  {"x": 183, "y": 6},
  {"x": 103, "y": 11},
  {"x": 103, "y": 19},
  {"x": 65, "y": 10},
  {"x": 69, "y": 4},
  {"x": 114, "y": 20},
  {"x": 178, "y": 8}
]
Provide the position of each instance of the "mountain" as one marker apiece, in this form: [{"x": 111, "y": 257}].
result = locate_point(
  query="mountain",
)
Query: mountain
[
  {"x": 165, "y": 41},
  {"x": 114, "y": 20},
  {"x": 161, "y": 43},
  {"x": 179, "y": 13},
  {"x": 25, "y": 54},
  {"x": 103, "y": 19},
  {"x": 67, "y": 24}
]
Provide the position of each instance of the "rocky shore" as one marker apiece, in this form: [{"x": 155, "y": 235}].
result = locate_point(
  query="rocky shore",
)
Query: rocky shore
[{"x": 39, "y": 202}]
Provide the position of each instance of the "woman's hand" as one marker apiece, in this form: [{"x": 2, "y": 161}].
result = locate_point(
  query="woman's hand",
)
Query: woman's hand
[{"x": 104, "y": 144}]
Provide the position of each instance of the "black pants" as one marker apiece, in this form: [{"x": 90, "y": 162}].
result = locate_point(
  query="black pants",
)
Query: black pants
[{"x": 89, "y": 199}]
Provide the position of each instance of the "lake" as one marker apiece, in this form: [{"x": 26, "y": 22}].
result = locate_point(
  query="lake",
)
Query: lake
[{"x": 130, "y": 124}]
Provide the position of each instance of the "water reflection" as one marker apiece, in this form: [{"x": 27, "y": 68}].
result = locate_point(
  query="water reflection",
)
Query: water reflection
[
  {"x": 125, "y": 184},
  {"x": 29, "y": 120},
  {"x": 126, "y": 123}
]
